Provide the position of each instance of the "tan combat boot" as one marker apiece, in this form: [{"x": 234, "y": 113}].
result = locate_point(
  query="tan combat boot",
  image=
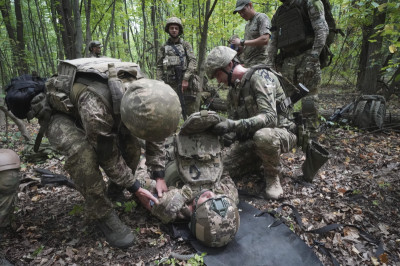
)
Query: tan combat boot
[{"x": 273, "y": 189}]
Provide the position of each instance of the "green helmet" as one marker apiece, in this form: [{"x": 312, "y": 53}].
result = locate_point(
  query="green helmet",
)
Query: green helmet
[
  {"x": 215, "y": 222},
  {"x": 93, "y": 44},
  {"x": 9, "y": 160},
  {"x": 150, "y": 109},
  {"x": 174, "y": 20},
  {"x": 219, "y": 57}
]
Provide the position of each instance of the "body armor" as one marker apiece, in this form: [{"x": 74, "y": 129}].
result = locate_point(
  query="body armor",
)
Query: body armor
[
  {"x": 172, "y": 59},
  {"x": 294, "y": 30}
]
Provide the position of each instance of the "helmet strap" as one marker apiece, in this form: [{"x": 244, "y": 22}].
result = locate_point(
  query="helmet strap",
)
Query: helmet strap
[{"x": 230, "y": 73}]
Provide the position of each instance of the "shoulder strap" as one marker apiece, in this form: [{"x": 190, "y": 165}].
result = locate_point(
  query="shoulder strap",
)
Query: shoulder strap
[{"x": 178, "y": 54}]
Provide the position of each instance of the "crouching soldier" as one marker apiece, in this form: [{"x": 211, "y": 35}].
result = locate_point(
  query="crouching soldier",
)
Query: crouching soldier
[
  {"x": 94, "y": 111},
  {"x": 199, "y": 191},
  {"x": 264, "y": 133}
]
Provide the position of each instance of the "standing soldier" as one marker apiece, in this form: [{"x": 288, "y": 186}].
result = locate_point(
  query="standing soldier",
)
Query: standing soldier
[
  {"x": 299, "y": 31},
  {"x": 95, "y": 49},
  {"x": 176, "y": 66},
  {"x": 256, "y": 36}
]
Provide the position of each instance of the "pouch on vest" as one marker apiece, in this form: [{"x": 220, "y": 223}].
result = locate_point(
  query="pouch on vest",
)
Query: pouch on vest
[
  {"x": 369, "y": 111},
  {"x": 198, "y": 152}
]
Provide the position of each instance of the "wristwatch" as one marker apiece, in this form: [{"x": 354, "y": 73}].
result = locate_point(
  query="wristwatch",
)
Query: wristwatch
[{"x": 242, "y": 42}]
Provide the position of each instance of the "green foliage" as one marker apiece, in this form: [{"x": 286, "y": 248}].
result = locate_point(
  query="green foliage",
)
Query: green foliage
[
  {"x": 129, "y": 205},
  {"x": 197, "y": 259},
  {"x": 37, "y": 251},
  {"x": 77, "y": 210}
]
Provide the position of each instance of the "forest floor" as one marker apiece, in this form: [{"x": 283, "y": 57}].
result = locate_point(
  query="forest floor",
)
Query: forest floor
[{"x": 359, "y": 185}]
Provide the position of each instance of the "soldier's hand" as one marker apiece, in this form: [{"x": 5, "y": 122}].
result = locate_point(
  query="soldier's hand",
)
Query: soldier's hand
[
  {"x": 145, "y": 197},
  {"x": 161, "y": 186},
  {"x": 185, "y": 85},
  {"x": 224, "y": 127},
  {"x": 235, "y": 41},
  {"x": 40, "y": 108}
]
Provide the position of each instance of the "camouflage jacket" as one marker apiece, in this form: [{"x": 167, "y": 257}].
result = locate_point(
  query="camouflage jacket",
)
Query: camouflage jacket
[
  {"x": 168, "y": 59},
  {"x": 254, "y": 102},
  {"x": 174, "y": 204},
  {"x": 316, "y": 15},
  {"x": 259, "y": 25}
]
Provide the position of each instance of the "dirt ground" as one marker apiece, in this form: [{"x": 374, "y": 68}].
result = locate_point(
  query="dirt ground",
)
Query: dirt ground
[{"x": 359, "y": 185}]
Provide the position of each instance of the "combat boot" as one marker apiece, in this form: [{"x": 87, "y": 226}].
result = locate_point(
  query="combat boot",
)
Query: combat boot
[
  {"x": 273, "y": 188},
  {"x": 116, "y": 232}
]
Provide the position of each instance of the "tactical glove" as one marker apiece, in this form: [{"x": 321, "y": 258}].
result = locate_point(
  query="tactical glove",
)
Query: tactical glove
[
  {"x": 224, "y": 127},
  {"x": 40, "y": 107}
]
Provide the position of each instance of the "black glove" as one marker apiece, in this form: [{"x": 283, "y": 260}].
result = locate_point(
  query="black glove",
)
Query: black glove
[
  {"x": 40, "y": 108},
  {"x": 224, "y": 127}
]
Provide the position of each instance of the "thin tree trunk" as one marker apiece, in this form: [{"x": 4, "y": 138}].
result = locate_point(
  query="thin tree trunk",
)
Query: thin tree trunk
[
  {"x": 78, "y": 29},
  {"x": 88, "y": 8},
  {"x": 110, "y": 28}
]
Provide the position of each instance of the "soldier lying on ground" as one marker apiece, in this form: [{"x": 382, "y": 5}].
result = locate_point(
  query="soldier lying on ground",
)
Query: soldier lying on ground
[
  {"x": 93, "y": 112},
  {"x": 199, "y": 191}
]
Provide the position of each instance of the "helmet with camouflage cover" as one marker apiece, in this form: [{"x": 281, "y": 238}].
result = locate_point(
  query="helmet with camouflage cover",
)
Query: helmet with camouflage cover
[
  {"x": 9, "y": 160},
  {"x": 219, "y": 57},
  {"x": 174, "y": 20},
  {"x": 215, "y": 222},
  {"x": 93, "y": 44},
  {"x": 150, "y": 109}
]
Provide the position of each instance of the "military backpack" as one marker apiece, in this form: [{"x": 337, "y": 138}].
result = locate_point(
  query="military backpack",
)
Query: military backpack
[{"x": 369, "y": 111}]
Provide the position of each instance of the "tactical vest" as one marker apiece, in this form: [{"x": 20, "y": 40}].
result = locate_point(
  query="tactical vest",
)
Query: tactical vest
[
  {"x": 293, "y": 27},
  {"x": 76, "y": 76},
  {"x": 173, "y": 59},
  {"x": 244, "y": 99},
  {"x": 196, "y": 154}
]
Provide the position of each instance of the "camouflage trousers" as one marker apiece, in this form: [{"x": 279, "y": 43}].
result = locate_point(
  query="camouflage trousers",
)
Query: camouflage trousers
[
  {"x": 298, "y": 69},
  {"x": 82, "y": 162},
  {"x": 9, "y": 182},
  {"x": 264, "y": 149},
  {"x": 191, "y": 97}
]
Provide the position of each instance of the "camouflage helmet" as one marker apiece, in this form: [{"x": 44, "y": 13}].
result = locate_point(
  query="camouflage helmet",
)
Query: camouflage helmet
[
  {"x": 93, "y": 44},
  {"x": 150, "y": 109},
  {"x": 215, "y": 222},
  {"x": 8, "y": 160},
  {"x": 174, "y": 20},
  {"x": 219, "y": 57}
]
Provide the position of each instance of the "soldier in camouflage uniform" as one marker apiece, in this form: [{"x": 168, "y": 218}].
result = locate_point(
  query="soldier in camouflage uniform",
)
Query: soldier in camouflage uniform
[
  {"x": 95, "y": 134},
  {"x": 9, "y": 181},
  {"x": 263, "y": 134},
  {"x": 178, "y": 53},
  {"x": 196, "y": 150},
  {"x": 298, "y": 59},
  {"x": 95, "y": 49},
  {"x": 256, "y": 36}
]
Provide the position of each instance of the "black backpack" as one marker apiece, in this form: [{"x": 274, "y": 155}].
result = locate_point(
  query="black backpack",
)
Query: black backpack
[
  {"x": 369, "y": 111},
  {"x": 21, "y": 91}
]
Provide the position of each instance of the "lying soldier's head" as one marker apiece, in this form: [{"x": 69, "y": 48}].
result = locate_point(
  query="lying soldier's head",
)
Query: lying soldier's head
[{"x": 215, "y": 219}]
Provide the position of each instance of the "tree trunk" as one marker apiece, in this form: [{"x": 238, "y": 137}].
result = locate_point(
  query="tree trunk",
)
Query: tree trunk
[
  {"x": 78, "y": 29},
  {"x": 64, "y": 11},
  {"x": 155, "y": 36},
  {"x": 88, "y": 8},
  {"x": 203, "y": 41},
  {"x": 20, "y": 39},
  {"x": 110, "y": 28},
  {"x": 370, "y": 57}
]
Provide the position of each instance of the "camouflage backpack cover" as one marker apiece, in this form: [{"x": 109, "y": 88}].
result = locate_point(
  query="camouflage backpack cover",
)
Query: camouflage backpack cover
[
  {"x": 369, "y": 111},
  {"x": 196, "y": 153},
  {"x": 61, "y": 91}
]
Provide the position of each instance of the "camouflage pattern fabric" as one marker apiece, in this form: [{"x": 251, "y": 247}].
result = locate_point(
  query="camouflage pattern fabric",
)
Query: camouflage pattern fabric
[
  {"x": 9, "y": 181},
  {"x": 92, "y": 54},
  {"x": 260, "y": 128},
  {"x": 256, "y": 27},
  {"x": 82, "y": 146},
  {"x": 305, "y": 68},
  {"x": 166, "y": 62},
  {"x": 174, "y": 204}
]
